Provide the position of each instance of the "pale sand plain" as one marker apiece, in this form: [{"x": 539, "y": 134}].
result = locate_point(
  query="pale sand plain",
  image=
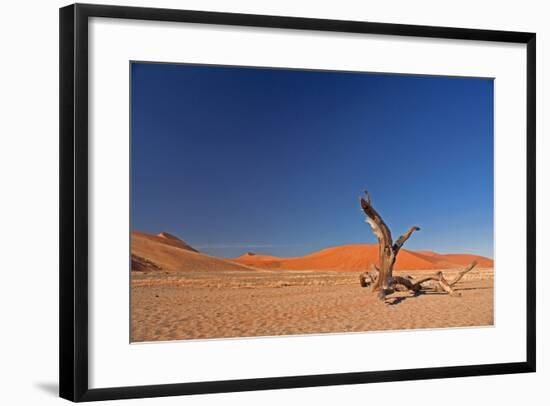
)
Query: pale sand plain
[{"x": 244, "y": 303}]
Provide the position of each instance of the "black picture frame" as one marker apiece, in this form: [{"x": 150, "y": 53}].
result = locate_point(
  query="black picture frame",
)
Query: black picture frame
[{"x": 73, "y": 281}]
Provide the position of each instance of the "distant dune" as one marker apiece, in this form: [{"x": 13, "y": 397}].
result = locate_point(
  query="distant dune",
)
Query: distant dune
[
  {"x": 165, "y": 252},
  {"x": 357, "y": 257},
  {"x": 164, "y": 238},
  {"x": 465, "y": 259}
]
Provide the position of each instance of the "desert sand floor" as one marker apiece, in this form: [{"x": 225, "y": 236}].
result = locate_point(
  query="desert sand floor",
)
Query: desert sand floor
[{"x": 194, "y": 305}]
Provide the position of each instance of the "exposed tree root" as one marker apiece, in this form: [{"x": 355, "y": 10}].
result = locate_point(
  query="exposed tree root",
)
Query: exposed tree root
[{"x": 407, "y": 283}]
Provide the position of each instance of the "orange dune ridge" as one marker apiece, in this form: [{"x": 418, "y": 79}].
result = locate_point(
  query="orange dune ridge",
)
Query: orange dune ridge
[
  {"x": 358, "y": 257},
  {"x": 163, "y": 238},
  {"x": 165, "y": 252},
  {"x": 465, "y": 259}
]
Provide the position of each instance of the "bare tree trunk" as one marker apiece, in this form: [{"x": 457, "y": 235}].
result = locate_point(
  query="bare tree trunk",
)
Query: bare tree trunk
[
  {"x": 381, "y": 278},
  {"x": 387, "y": 249}
]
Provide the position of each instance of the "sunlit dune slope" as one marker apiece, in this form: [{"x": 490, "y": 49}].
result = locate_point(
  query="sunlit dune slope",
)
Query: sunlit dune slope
[
  {"x": 164, "y": 238},
  {"x": 357, "y": 257},
  {"x": 465, "y": 259},
  {"x": 165, "y": 252}
]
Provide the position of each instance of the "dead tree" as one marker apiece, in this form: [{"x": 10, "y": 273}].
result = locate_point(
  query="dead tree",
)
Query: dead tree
[{"x": 381, "y": 278}]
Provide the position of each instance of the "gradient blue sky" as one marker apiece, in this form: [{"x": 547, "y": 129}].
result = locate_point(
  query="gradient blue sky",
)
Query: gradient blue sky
[{"x": 273, "y": 161}]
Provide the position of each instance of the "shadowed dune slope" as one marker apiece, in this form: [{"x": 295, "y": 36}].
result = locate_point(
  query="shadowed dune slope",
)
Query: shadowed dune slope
[
  {"x": 162, "y": 253},
  {"x": 359, "y": 257}
]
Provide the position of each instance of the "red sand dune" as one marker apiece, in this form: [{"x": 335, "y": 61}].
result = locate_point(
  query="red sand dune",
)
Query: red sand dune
[
  {"x": 164, "y": 252},
  {"x": 461, "y": 259},
  {"x": 164, "y": 238},
  {"x": 357, "y": 257},
  {"x": 465, "y": 259},
  {"x": 267, "y": 261}
]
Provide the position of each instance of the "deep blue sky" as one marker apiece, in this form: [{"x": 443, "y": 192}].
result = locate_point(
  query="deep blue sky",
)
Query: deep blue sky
[{"x": 274, "y": 161}]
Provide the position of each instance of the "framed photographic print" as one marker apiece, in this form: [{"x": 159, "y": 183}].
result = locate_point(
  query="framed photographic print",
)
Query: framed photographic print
[{"x": 299, "y": 202}]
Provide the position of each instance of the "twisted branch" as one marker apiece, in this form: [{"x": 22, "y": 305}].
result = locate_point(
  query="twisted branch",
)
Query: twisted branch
[{"x": 416, "y": 287}]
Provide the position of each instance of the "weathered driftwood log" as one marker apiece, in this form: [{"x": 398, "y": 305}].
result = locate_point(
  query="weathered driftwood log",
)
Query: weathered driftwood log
[{"x": 381, "y": 278}]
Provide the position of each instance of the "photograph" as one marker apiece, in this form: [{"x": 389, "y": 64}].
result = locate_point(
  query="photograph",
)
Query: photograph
[
  {"x": 279, "y": 202},
  {"x": 274, "y": 203}
]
